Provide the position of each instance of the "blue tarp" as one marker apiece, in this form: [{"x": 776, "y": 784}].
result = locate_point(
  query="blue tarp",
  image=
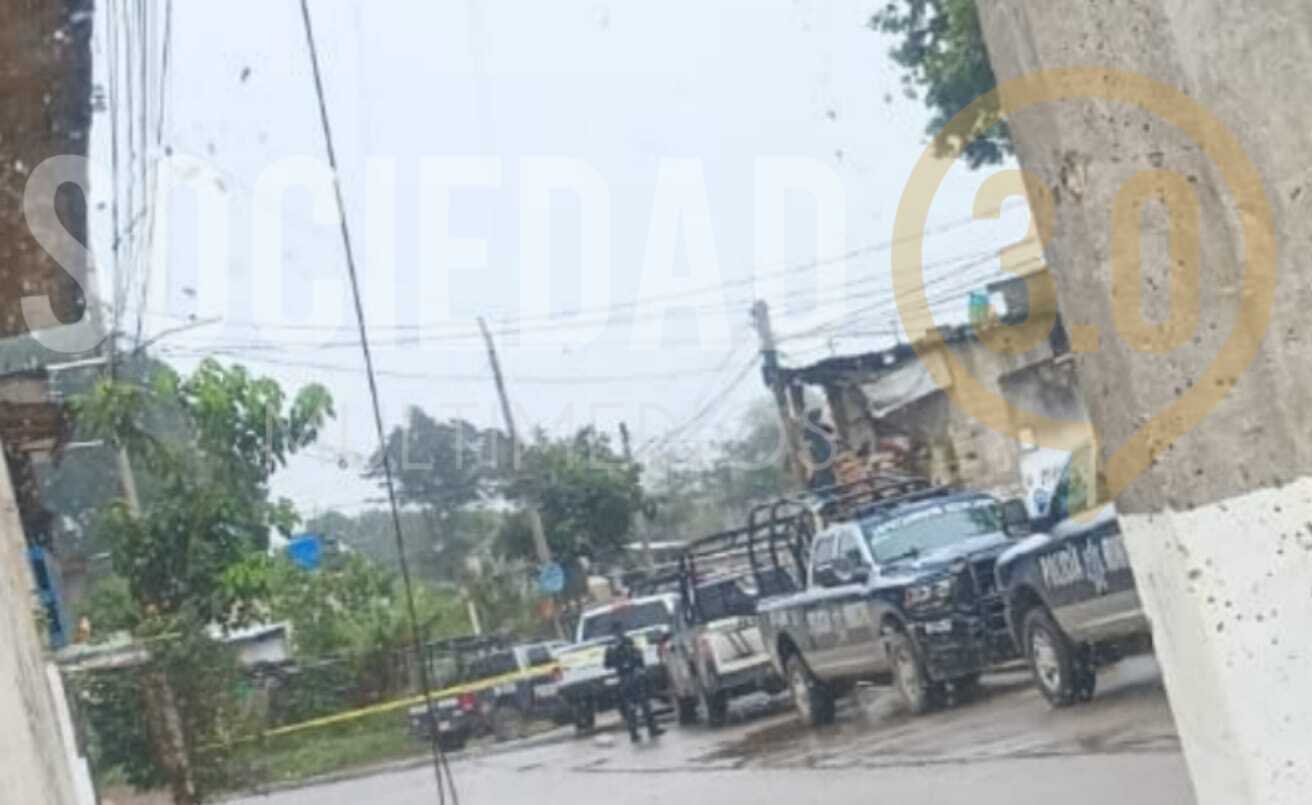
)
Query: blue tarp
[{"x": 306, "y": 551}]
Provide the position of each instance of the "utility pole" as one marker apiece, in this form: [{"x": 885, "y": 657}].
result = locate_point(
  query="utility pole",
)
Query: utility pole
[
  {"x": 774, "y": 380},
  {"x": 534, "y": 516},
  {"x": 643, "y": 533}
]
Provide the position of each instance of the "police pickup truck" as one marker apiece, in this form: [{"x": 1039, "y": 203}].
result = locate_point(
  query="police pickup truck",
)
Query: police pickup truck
[
  {"x": 715, "y": 651},
  {"x": 898, "y": 582},
  {"x": 1071, "y": 598},
  {"x": 586, "y": 685}
]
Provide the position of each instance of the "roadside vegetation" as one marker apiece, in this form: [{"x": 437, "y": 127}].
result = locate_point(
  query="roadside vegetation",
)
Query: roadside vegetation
[{"x": 191, "y": 562}]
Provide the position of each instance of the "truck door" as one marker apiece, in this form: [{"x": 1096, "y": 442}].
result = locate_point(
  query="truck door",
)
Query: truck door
[
  {"x": 824, "y": 654},
  {"x": 1086, "y": 572},
  {"x": 859, "y": 646}
]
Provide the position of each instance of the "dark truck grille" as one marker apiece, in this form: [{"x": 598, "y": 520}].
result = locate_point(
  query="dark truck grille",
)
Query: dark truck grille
[{"x": 983, "y": 598}]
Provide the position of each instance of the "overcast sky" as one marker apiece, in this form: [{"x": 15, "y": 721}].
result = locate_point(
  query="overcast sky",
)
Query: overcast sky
[{"x": 665, "y": 114}]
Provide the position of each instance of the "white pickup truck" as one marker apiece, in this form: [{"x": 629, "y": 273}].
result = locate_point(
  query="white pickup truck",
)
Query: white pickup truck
[
  {"x": 716, "y": 651},
  {"x": 586, "y": 684}
]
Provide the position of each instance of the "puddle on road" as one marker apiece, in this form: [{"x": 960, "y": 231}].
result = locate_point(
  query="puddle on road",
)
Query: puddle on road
[{"x": 1008, "y": 720}]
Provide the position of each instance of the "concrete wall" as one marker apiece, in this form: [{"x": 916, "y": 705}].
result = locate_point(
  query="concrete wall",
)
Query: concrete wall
[
  {"x": 34, "y": 758},
  {"x": 1217, "y": 525}
]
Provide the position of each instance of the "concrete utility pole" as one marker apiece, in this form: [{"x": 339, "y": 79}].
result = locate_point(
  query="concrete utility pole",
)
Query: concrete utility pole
[
  {"x": 773, "y": 380},
  {"x": 1208, "y": 109},
  {"x": 539, "y": 536},
  {"x": 643, "y": 532},
  {"x": 534, "y": 516}
]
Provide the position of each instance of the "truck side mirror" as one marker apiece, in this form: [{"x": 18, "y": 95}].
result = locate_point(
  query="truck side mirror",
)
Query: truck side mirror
[{"x": 1016, "y": 518}]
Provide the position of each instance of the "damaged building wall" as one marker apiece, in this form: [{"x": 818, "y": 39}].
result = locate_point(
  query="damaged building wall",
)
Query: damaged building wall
[{"x": 898, "y": 405}]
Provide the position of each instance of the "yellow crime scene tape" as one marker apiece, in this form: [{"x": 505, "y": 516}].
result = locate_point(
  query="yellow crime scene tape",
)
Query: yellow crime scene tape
[{"x": 410, "y": 701}]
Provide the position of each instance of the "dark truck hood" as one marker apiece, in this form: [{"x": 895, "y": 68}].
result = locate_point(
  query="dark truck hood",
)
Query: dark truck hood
[{"x": 934, "y": 563}]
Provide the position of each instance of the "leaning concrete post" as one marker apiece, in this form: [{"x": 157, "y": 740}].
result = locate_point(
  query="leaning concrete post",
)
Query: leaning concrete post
[{"x": 1180, "y": 247}]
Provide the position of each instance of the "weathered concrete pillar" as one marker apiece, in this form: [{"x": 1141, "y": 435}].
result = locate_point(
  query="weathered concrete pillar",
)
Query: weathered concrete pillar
[
  {"x": 34, "y": 760},
  {"x": 1219, "y": 522}
]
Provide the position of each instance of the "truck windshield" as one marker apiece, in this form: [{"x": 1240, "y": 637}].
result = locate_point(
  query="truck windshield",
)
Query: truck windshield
[
  {"x": 630, "y": 618},
  {"x": 929, "y": 529}
]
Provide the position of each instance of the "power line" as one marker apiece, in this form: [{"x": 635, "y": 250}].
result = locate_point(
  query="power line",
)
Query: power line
[
  {"x": 958, "y": 289},
  {"x": 842, "y": 294},
  {"x": 166, "y": 56},
  {"x": 439, "y": 757},
  {"x": 603, "y": 312},
  {"x": 707, "y": 407},
  {"x": 547, "y": 380}
]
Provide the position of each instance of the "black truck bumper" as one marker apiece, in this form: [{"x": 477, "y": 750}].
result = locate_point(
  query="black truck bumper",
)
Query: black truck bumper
[{"x": 956, "y": 646}]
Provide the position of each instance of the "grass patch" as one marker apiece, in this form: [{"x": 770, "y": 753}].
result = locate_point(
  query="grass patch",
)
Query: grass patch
[{"x": 365, "y": 741}]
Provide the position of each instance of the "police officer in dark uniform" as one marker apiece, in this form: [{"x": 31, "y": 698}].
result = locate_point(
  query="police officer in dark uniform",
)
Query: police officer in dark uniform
[{"x": 624, "y": 658}]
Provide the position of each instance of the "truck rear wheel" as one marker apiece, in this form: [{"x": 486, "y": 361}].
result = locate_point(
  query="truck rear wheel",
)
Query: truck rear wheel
[
  {"x": 585, "y": 716},
  {"x": 812, "y": 698},
  {"x": 687, "y": 709},
  {"x": 716, "y": 707}
]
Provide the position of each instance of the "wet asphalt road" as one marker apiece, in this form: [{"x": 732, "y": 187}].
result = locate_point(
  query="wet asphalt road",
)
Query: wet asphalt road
[{"x": 1005, "y": 748}]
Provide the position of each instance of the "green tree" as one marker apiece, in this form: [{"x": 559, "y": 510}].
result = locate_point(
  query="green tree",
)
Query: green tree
[
  {"x": 941, "y": 48},
  {"x": 587, "y": 493},
  {"x": 502, "y": 590},
  {"x": 435, "y": 559},
  {"x": 184, "y": 555},
  {"x": 442, "y": 469},
  {"x": 351, "y": 626},
  {"x": 208, "y": 508},
  {"x": 83, "y": 480}
]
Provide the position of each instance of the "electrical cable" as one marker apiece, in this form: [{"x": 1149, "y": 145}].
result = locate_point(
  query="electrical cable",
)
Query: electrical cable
[
  {"x": 661, "y": 440},
  {"x": 959, "y": 289},
  {"x": 605, "y": 311},
  {"x": 544, "y": 380},
  {"x": 166, "y": 56},
  {"x": 440, "y": 763},
  {"x": 842, "y": 294}
]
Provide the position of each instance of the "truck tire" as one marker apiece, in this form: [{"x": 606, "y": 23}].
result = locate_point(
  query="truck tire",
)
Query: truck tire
[
  {"x": 1061, "y": 674},
  {"x": 452, "y": 742},
  {"x": 716, "y": 706},
  {"x": 918, "y": 692},
  {"x": 585, "y": 716},
  {"x": 687, "y": 709},
  {"x": 966, "y": 688},
  {"x": 508, "y": 722},
  {"x": 812, "y": 698}
]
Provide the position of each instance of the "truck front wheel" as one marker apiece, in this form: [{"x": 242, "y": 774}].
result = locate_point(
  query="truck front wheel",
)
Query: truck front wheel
[
  {"x": 813, "y": 699},
  {"x": 585, "y": 716},
  {"x": 909, "y": 676},
  {"x": 1062, "y": 676}
]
